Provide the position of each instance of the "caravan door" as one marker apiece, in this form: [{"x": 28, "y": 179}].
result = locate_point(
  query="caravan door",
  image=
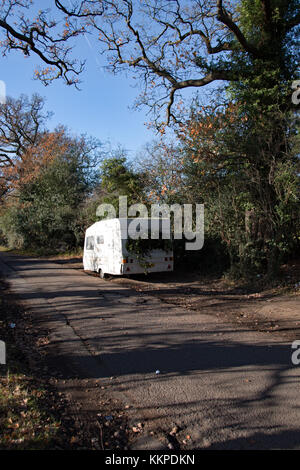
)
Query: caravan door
[
  {"x": 89, "y": 260},
  {"x": 100, "y": 252}
]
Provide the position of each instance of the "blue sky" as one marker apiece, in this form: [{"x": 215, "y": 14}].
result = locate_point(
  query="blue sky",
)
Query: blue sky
[{"x": 100, "y": 109}]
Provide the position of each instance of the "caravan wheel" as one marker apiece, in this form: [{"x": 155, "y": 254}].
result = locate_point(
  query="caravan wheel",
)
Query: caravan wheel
[{"x": 102, "y": 275}]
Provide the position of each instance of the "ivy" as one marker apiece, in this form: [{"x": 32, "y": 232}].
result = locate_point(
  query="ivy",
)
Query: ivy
[{"x": 141, "y": 249}]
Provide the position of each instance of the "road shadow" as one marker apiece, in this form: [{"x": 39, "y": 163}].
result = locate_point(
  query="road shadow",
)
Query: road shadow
[{"x": 98, "y": 333}]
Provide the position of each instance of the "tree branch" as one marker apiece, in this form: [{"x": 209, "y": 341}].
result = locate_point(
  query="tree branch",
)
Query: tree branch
[
  {"x": 209, "y": 78},
  {"x": 35, "y": 40},
  {"x": 224, "y": 18}
]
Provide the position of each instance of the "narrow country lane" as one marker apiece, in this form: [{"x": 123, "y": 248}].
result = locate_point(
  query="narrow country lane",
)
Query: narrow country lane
[{"x": 225, "y": 387}]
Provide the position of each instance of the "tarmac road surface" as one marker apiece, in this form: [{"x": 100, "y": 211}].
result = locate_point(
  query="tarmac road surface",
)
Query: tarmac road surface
[{"x": 224, "y": 387}]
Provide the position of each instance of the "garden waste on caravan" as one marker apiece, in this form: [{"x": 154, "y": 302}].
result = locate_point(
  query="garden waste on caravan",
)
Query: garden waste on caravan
[{"x": 105, "y": 251}]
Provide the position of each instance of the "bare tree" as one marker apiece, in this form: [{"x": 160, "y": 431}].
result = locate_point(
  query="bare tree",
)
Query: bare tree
[
  {"x": 160, "y": 166},
  {"x": 171, "y": 45},
  {"x": 175, "y": 44},
  {"x": 21, "y": 127},
  {"x": 21, "y": 124},
  {"x": 33, "y": 31}
]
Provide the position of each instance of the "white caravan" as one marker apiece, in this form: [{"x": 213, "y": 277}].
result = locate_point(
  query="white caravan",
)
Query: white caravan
[{"x": 105, "y": 251}]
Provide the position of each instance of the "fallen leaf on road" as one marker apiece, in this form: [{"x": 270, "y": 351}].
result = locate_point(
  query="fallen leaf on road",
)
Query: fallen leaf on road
[{"x": 174, "y": 431}]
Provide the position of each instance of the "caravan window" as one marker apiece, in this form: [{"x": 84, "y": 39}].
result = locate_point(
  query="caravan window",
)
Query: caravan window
[
  {"x": 89, "y": 244},
  {"x": 100, "y": 240}
]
